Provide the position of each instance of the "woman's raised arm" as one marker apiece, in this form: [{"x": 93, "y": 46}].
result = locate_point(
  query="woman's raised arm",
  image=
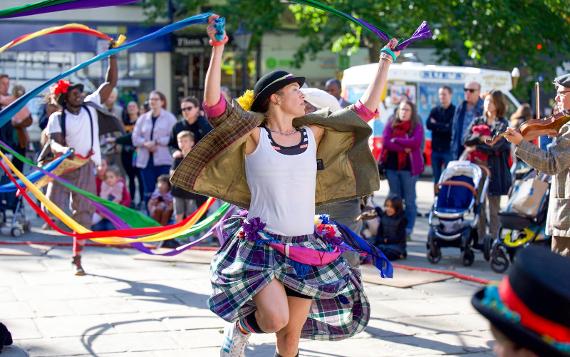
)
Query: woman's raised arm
[
  {"x": 212, "y": 87},
  {"x": 371, "y": 98}
]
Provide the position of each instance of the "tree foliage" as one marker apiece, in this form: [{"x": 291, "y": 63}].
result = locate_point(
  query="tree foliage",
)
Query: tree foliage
[{"x": 502, "y": 34}]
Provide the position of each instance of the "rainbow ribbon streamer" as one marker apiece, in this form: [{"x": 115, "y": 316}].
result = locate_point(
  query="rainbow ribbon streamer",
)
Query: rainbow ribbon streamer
[
  {"x": 46, "y": 6},
  {"x": 164, "y": 233},
  {"x": 68, "y": 28},
  {"x": 7, "y": 113},
  {"x": 422, "y": 32},
  {"x": 214, "y": 222}
]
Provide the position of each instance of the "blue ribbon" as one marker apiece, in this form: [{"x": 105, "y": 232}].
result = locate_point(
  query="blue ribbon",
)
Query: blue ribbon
[
  {"x": 357, "y": 242},
  {"x": 7, "y": 113}
]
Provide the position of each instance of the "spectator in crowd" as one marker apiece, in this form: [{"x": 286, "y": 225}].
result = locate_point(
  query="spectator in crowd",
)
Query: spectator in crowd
[
  {"x": 128, "y": 150},
  {"x": 20, "y": 122},
  {"x": 130, "y": 116},
  {"x": 439, "y": 122},
  {"x": 48, "y": 108},
  {"x": 191, "y": 121},
  {"x": 528, "y": 310},
  {"x": 391, "y": 235},
  {"x": 112, "y": 106},
  {"x": 333, "y": 87},
  {"x": 7, "y": 131},
  {"x": 185, "y": 202},
  {"x": 496, "y": 156},
  {"x": 402, "y": 157},
  {"x": 522, "y": 114},
  {"x": 469, "y": 109},
  {"x": 100, "y": 177},
  {"x": 112, "y": 189},
  {"x": 160, "y": 205},
  {"x": 151, "y": 136}
]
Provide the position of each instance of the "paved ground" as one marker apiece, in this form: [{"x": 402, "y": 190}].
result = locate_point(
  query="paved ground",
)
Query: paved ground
[{"x": 132, "y": 307}]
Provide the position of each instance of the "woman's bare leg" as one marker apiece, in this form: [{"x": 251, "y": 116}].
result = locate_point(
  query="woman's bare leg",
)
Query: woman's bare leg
[
  {"x": 272, "y": 312},
  {"x": 288, "y": 337}
]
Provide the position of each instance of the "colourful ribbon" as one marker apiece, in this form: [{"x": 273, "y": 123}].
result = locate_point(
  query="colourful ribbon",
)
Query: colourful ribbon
[
  {"x": 46, "y": 6},
  {"x": 7, "y": 113},
  {"x": 219, "y": 216},
  {"x": 69, "y": 28},
  {"x": 165, "y": 234},
  {"x": 421, "y": 33}
]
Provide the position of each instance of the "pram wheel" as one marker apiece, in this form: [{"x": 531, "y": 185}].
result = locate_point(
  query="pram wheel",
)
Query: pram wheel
[
  {"x": 15, "y": 232},
  {"x": 467, "y": 257},
  {"x": 433, "y": 253},
  {"x": 499, "y": 259},
  {"x": 487, "y": 243},
  {"x": 27, "y": 227}
]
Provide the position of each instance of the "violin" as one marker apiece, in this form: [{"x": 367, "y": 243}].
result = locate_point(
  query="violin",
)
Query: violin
[{"x": 533, "y": 128}]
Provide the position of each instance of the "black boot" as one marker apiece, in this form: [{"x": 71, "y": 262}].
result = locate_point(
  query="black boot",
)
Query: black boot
[{"x": 77, "y": 263}]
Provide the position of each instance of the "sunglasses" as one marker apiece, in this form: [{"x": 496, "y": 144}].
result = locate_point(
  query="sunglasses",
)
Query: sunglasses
[
  {"x": 187, "y": 109},
  {"x": 470, "y": 90}
]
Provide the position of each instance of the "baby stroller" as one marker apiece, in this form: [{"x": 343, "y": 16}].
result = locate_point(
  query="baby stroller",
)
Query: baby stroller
[
  {"x": 16, "y": 224},
  {"x": 522, "y": 222},
  {"x": 453, "y": 219}
]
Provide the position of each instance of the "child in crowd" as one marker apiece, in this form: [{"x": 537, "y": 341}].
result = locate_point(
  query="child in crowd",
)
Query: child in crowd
[
  {"x": 160, "y": 205},
  {"x": 184, "y": 202},
  {"x": 112, "y": 189},
  {"x": 100, "y": 178},
  {"x": 391, "y": 235}
]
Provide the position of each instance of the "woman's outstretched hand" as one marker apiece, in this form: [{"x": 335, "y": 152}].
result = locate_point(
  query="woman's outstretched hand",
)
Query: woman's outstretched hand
[
  {"x": 212, "y": 30},
  {"x": 392, "y": 45}
]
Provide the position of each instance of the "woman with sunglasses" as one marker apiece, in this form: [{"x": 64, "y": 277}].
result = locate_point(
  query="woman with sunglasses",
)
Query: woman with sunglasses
[
  {"x": 278, "y": 162},
  {"x": 191, "y": 121}
]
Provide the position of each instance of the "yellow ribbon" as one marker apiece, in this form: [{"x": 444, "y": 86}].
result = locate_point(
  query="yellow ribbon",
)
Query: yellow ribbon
[{"x": 76, "y": 227}]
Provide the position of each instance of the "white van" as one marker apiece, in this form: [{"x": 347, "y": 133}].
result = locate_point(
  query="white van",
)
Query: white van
[{"x": 420, "y": 84}]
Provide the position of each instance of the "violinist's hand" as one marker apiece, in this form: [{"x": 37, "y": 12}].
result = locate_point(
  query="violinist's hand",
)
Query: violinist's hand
[{"x": 513, "y": 136}]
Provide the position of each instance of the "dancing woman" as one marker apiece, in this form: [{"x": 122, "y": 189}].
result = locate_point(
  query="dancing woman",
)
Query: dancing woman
[{"x": 272, "y": 274}]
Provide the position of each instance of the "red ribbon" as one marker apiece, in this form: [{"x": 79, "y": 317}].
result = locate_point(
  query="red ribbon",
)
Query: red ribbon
[{"x": 529, "y": 319}]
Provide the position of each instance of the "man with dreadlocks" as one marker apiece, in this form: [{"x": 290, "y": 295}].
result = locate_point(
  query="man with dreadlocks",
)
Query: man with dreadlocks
[{"x": 76, "y": 128}]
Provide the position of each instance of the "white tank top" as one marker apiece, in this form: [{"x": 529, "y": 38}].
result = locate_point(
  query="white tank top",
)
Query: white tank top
[{"x": 283, "y": 187}]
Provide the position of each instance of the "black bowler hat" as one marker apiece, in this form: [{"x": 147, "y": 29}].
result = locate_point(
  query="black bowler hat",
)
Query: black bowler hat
[
  {"x": 269, "y": 84},
  {"x": 532, "y": 305},
  {"x": 563, "y": 80}
]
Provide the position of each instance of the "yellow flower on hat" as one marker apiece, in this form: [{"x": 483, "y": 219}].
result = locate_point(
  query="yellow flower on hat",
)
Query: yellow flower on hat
[{"x": 246, "y": 100}]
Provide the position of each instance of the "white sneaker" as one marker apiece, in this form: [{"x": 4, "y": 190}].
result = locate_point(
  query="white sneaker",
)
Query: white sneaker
[{"x": 234, "y": 341}]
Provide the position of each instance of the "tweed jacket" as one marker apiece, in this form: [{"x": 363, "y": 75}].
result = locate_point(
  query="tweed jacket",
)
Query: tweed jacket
[
  {"x": 556, "y": 162},
  {"x": 216, "y": 165}
]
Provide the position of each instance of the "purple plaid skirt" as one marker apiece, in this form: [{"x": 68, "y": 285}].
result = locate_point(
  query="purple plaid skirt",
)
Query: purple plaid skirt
[{"x": 242, "y": 268}]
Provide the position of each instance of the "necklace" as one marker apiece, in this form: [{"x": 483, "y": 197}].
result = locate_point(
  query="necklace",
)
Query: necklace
[{"x": 284, "y": 133}]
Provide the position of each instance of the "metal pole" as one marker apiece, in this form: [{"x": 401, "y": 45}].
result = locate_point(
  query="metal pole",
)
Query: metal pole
[{"x": 244, "y": 78}]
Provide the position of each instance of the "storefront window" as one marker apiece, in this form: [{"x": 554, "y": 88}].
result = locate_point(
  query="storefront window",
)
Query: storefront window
[{"x": 141, "y": 65}]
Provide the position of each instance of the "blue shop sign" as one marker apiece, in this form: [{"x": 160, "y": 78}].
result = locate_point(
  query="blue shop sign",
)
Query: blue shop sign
[{"x": 79, "y": 42}]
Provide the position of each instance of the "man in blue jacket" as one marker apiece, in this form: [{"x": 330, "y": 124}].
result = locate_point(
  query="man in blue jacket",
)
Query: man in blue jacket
[{"x": 471, "y": 108}]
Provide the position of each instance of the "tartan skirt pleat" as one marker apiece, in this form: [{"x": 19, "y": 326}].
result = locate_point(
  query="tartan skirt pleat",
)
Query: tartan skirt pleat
[{"x": 242, "y": 268}]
